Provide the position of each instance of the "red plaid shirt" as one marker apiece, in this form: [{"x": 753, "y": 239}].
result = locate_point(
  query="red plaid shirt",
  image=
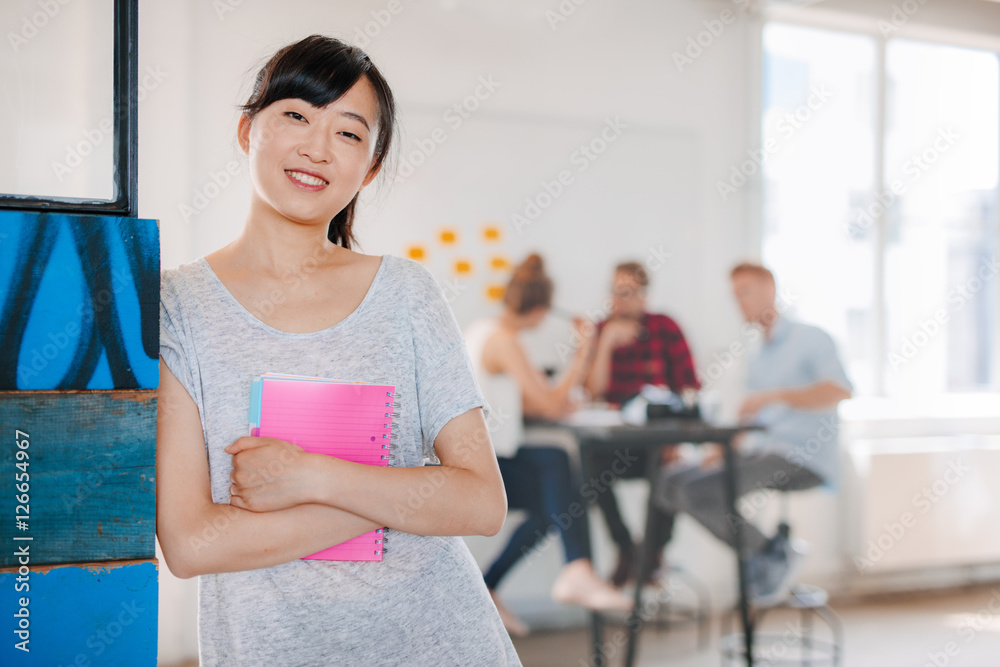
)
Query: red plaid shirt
[{"x": 660, "y": 355}]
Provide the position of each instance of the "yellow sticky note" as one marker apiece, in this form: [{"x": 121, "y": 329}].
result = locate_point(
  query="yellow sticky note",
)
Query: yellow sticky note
[{"x": 499, "y": 263}]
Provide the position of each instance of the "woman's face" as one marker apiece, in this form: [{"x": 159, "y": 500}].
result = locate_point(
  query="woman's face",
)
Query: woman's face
[{"x": 308, "y": 162}]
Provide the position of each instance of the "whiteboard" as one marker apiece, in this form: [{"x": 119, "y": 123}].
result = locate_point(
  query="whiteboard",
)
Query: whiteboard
[{"x": 638, "y": 196}]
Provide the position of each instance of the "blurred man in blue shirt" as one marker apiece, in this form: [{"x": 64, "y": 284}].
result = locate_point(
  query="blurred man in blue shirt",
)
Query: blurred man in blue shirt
[{"x": 795, "y": 381}]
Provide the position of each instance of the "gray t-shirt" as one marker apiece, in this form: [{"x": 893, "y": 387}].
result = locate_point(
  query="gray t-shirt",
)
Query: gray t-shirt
[{"x": 425, "y": 603}]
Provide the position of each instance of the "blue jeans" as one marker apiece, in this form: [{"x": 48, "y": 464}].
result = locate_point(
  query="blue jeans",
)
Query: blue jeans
[{"x": 541, "y": 481}]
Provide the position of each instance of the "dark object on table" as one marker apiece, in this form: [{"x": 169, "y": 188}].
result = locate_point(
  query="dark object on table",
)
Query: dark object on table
[{"x": 670, "y": 411}]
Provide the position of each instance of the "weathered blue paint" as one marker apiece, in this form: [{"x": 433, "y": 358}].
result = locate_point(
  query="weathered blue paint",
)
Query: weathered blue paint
[
  {"x": 84, "y": 615},
  {"x": 79, "y": 301},
  {"x": 91, "y": 465}
]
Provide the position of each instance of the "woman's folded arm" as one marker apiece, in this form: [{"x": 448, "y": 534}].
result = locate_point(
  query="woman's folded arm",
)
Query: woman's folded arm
[{"x": 198, "y": 536}]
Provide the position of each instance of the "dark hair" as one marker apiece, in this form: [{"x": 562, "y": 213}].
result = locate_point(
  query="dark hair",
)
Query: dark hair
[
  {"x": 636, "y": 270},
  {"x": 319, "y": 70},
  {"x": 529, "y": 286}
]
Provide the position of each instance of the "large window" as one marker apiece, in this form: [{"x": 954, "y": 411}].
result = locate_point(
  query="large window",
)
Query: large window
[{"x": 880, "y": 202}]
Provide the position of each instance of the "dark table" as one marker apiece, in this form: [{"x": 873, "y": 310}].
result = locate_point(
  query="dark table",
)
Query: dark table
[{"x": 649, "y": 439}]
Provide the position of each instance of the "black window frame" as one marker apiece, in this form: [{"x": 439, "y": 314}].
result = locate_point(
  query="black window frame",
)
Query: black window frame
[{"x": 125, "y": 134}]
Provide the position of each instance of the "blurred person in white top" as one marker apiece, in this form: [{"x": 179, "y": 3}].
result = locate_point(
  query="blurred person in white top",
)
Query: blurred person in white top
[{"x": 538, "y": 478}]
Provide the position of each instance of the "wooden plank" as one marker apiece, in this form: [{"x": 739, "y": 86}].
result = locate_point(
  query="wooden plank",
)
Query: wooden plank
[
  {"x": 91, "y": 461},
  {"x": 82, "y": 614},
  {"x": 79, "y": 301}
]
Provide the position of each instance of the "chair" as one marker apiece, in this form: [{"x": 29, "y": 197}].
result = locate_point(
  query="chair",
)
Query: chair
[
  {"x": 674, "y": 611},
  {"x": 789, "y": 647}
]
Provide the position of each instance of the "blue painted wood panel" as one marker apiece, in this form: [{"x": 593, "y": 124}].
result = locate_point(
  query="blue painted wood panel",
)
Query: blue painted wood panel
[
  {"x": 91, "y": 461},
  {"x": 83, "y": 615},
  {"x": 79, "y": 301}
]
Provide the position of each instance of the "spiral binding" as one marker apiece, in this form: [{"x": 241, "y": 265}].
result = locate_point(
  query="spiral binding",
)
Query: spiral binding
[
  {"x": 383, "y": 541},
  {"x": 392, "y": 438},
  {"x": 391, "y": 441}
]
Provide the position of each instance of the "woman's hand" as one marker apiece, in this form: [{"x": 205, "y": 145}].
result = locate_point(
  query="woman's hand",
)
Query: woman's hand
[
  {"x": 268, "y": 474},
  {"x": 586, "y": 332}
]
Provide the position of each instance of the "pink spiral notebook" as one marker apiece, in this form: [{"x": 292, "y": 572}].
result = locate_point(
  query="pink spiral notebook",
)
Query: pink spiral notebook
[{"x": 349, "y": 420}]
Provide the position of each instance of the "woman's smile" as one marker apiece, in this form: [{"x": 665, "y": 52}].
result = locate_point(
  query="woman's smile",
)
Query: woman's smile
[{"x": 305, "y": 180}]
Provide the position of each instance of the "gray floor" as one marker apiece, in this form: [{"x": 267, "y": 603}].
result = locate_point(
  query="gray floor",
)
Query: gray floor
[{"x": 949, "y": 629}]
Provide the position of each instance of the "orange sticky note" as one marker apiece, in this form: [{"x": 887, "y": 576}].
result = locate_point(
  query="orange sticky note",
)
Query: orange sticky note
[
  {"x": 495, "y": 292},
  {"x": 499, "y": 263}
]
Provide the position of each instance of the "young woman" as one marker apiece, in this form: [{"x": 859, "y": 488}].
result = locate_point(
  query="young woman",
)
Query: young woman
[
  {"x": 537, "y": 478},
  {"x": 289, "y": 295}
]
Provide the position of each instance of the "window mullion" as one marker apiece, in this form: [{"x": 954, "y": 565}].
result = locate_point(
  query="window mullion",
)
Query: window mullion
[{"x": 881, "y": 116}]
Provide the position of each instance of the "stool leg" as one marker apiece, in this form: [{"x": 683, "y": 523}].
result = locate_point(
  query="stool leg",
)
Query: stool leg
[
  {"x": 664, "y": 617},
  {"x": 635, "y": 620},
  {"x": 703, "y": 628},
  {"x": 597, "y": 639},
  {"x": 727, "y": 625},
  {"x": 831, "y": 618},
  {"x": 806, "y": 640},
  {"x": 701, "y": 593}
]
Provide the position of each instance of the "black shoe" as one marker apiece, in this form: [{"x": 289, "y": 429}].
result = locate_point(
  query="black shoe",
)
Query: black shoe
[
  {"x": 625, "y": 565},
  {"x": 655, "y": 568}
]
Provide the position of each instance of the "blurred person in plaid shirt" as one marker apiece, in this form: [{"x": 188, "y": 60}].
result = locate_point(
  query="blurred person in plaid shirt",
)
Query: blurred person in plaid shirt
[{"x": 635, "y": 347}]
